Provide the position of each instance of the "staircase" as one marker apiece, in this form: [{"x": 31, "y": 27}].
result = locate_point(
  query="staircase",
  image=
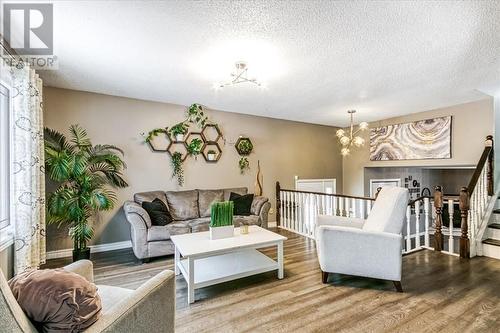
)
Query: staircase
[{"x": 491, "y": 243}]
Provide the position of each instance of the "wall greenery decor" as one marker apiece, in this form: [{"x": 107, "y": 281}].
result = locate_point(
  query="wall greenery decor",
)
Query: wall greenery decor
[
  {"x": 244, "y": 147},
  {"x": 244, "y": 164},
  {"x": 180, "y": 143}
]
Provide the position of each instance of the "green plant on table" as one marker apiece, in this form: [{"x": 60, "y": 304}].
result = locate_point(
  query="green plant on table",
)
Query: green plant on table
[
  {"x": 195, "y": 146},
  {"x": 84, "y": 174},
  {"x": 178, "y": 171},
  {"x": 244, "y": 164},
  {"x": 221, "y": 214}
]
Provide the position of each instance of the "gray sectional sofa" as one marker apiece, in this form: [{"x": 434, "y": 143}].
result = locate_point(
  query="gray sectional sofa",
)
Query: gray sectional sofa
[{"x": 191, "y": 213}]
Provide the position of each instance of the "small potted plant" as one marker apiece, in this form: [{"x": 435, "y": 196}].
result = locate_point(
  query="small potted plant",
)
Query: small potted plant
[
  {"x": 178, "y": 131},
  {"x": 221, "y": 220},
  {"x": 211, "y": 155},
  {"x": 194, "y": 147}
]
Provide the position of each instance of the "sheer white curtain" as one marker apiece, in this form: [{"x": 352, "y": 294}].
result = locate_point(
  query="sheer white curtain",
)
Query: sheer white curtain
[{"x": 27, "y": 173}]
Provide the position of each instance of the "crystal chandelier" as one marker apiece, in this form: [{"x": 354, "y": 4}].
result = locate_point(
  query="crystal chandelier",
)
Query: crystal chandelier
[
  {"x": 240, "y": 76},
  {"x": 347, "y": 140}
]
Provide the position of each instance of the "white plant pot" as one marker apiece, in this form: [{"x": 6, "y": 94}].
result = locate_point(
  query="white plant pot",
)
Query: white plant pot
[
  {"x": 211, "y": 157},
  {"x": 221, "y": 232},
  {"x": 179, "y": 137}
]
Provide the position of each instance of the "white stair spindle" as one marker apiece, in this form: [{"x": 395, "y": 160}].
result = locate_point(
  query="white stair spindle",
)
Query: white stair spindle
[
  {"x": 426, "y": 217},
  {"x": 451, "y": 211},
  {"x": 408, "y": 230},
  {"x": 417, "y": 224}
]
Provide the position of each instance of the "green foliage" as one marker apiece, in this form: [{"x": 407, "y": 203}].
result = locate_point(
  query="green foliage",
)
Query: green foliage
[
  {"x": 177, "y": 166},
  {"x": 196, "y": 116},
  {"x": 84, "y": 174},
  {"x": 244, "y": 164},
  {"x": 194, "y": 147},
  {"x": 211, "y": 152},
  {"x": 244, "y": 146},
  {"x": 153, "y": 133},
  {"x": 221, "y": 214},
  {"x": 180, "y": 128}
]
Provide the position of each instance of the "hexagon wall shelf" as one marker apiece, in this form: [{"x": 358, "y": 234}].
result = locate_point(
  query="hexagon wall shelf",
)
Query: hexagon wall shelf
[
  {"x": 243, "y": 146},
  {"x": 211, "y": 146},
  {"x": 161, "y": 142},
  {"x": 208, "y": 137},
  {"x": 193, "y": 135},
  {"x": 182, "y": 149}
]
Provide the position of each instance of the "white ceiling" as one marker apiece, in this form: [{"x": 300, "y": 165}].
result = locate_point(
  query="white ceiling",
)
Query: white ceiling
[{"x": 317, "y": 58}]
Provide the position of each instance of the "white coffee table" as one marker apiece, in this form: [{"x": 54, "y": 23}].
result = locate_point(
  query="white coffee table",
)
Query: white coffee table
[{"x": 207, "y": 262}]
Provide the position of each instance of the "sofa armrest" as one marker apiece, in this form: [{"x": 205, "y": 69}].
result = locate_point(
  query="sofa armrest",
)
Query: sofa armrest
[
  {"x": 340, "y": 221},
  {"x": 264, "y": 214},
  {"x": 83, "y": 268},
  {"x": 138, "y": 228},
  {"x": 150, "y": 308},
  {"x": 358, "y": 252}
]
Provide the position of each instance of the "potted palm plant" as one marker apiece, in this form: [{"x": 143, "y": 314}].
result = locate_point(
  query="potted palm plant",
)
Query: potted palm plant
[{"x": 85, "y": 175}]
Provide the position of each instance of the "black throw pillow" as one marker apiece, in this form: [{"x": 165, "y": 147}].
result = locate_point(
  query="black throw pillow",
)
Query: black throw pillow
[
  {"x": 242, "y": 203},
  {"x": 158, "y": 212}
]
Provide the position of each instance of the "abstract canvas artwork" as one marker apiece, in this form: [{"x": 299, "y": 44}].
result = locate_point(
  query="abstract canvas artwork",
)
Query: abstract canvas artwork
[{"x": 424, "y": 139}]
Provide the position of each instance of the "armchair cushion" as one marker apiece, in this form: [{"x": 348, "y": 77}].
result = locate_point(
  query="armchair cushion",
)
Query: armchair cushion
[
  {"x": 183, "y": 205},
  {"x": 206, "y": 198},
  {"x": 388, "y": 212},
  {"x": 57, "y": 299},
  {"x": 111, "y": 295}
]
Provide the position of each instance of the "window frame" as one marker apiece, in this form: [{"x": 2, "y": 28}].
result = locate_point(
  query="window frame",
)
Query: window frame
[{"x": 6, "y": 225}]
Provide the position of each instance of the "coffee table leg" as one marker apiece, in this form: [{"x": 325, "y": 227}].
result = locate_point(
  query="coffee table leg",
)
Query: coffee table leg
[
  {"x": 190, "y": 280},
  {"x": 280, "y": 260},
  {"x": 177, "y": 258}
]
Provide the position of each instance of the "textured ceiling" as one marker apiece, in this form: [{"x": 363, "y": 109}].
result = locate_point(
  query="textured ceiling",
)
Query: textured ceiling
[{"x": 317, "y": 58}]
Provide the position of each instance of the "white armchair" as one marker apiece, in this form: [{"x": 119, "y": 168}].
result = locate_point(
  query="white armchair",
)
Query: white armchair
[{"x": 369, "y": 248}]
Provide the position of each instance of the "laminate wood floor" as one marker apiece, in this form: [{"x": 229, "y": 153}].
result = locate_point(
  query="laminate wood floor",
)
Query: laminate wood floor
[{"x": 442, "y": 294}]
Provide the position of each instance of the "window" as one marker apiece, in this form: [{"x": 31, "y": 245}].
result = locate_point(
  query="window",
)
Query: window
[{"x": 4, "y": 157}]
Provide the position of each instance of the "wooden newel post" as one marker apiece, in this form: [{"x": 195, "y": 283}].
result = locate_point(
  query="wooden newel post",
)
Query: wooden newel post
[
  {"x": 464, "y": 227},
  {"x": 438, "y": 204},
  {"x": 491, "y": 157},
  {"x": 278, "y": 204}
]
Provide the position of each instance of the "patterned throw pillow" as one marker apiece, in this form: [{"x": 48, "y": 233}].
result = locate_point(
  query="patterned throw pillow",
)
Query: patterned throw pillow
[
  {"x": 242, "y": 203},
  {"x": 158, "y": 212}
]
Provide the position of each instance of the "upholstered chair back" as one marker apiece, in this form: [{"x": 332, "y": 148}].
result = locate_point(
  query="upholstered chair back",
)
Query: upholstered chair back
[
  {"x": 12, "y": 317},
  {"x": 388, "y": 212}
]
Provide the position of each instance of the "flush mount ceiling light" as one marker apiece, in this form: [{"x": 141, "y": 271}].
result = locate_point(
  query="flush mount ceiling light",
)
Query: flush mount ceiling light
[
  {"x": 347, "y": 140},
  {"x": 240, "y": 76}
]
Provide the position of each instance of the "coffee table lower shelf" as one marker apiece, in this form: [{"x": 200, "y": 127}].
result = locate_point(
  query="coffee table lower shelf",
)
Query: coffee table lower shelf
[{"x": 226, "y": 267}]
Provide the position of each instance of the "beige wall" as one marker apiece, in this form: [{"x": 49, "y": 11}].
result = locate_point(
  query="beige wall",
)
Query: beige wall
[
  {"x": 471, "y": 123},
  {"x": 284, "y": 149}
]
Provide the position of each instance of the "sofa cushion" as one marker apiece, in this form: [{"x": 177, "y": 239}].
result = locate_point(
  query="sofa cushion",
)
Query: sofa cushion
[
  {"x": 206, "y": 198},
  {"x": 57, "y": 300},
  {"x": 238, "y": 220},
  {"x": 158, "y": 212},
  {"x": 111, "y": 295},
  {"x": 198, "y": 225},
  {"x": 149, "y": 196},
  {"x": 131, "y": 207},
  {"x": 242, "y": 203},
  {"x": 183, "y": 205},
  {"x": 159, "y": 233},
  {"x": 257, "y": 203},
  {"x": 239, "y": 190}
]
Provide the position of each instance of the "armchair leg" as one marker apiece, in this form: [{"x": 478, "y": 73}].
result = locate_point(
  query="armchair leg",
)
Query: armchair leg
[
  {"x": 398, "y": 286},
  {"x": 324, "y": 276}
]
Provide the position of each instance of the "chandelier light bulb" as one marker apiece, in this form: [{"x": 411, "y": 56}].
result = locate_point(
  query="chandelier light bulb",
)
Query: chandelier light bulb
[
  {"x": 340, "y": 133},
  {"x": 358, "y": 141},
  {"x": 344, "y": 141},
  {"x": 344, "y": 151},
  {"x": 363, "y": 126}
]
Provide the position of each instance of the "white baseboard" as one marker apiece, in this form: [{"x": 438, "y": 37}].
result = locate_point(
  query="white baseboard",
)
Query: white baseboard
[{"x": 93, "y": 249}]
